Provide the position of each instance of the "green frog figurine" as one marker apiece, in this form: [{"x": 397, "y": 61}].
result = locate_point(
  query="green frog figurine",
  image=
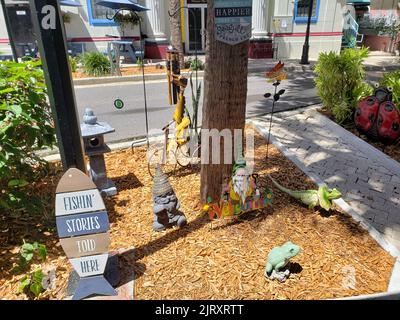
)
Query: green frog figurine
[{"x": 278, "y": 259}]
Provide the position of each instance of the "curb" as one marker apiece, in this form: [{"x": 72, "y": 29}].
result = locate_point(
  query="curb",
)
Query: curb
[
  {"x": 54, "y": 155},
  {"x": 394, "y": 284}
]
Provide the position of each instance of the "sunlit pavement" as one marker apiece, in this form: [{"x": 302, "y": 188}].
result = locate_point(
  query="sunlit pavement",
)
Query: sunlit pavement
[{"x": 129, "y": 122}]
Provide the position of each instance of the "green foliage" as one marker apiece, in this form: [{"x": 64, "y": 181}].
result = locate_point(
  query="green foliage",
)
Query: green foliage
[
  {"x": 73, "y": 62},
  {"x": 340, "y": 81},
  {"x": 194, "y": 64},
  {"x": 66, "y": 17},
  {"x": 26, "y": 126},
  {"x": 128, "y": 18},
  {"x": 392, "y": 80},
  {"x": 196, "y": 93},
  {"x": 32, "y": 282},
  {"x": 385, "y": 25},
  {"x": 140, "y": 62},
  {"x": 96, "y": 64},
  {"x": 28, "y": 252}
]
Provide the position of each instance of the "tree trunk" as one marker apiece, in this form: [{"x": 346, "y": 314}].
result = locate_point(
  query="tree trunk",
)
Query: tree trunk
[
  {"x": 176, "y": 33},
  {"x": 224, "y": 106}
]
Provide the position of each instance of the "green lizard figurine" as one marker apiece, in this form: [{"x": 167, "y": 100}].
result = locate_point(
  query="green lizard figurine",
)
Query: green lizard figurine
[
  {"x": 312, "y": 198},
  {"x": 278, "y": 258}
]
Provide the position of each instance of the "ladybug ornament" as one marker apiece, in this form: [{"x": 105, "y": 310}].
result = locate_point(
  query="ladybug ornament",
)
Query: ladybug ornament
[{"x": 378, "y": 117}]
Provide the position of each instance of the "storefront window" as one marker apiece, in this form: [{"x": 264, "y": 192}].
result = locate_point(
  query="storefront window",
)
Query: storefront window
[
  {"x": 301, "y": 8},
  {"x": 98, "y": 14}
]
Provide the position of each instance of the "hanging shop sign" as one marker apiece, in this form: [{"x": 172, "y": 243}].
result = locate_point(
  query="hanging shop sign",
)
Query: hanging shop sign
[
  {"x": 233, "y": 20},
  {"x": 83, "y": 225}
]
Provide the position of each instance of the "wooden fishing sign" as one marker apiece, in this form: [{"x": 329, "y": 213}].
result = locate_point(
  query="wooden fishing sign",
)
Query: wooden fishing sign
[{"x": 82, "y": 226}]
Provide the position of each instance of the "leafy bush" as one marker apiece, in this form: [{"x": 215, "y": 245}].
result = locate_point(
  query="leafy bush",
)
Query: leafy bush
[
  {"x": 340, "y": 81},
  {"x": 73, "y": 63},
  {"x": 140, "y": 62},
  {"x": 392, "y": 80},
  {"x": 96, "y": 64},
  {"x": 194, "y": 64},
  {"x": 33, "y": 281},
  {"x": 26, "y": 126}
]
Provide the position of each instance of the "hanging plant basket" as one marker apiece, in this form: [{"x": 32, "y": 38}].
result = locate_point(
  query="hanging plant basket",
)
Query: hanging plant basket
[
  {"x": 66, "y": 17},
  {"x": 127, "y": 18}
]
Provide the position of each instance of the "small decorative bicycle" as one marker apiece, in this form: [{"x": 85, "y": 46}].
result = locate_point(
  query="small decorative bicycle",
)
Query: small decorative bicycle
[
  {"x": 183, "y": 148},
  {"x": 179, "y": 150}
]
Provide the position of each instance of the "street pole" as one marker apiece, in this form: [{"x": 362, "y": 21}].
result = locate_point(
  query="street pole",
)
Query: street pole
[
  {"x": 8, "y": 27},
  {"x": 306, "y": 46},
  {"x": 50, "y": 35}
]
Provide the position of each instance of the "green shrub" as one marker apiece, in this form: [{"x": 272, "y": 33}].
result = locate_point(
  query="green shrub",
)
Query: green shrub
[
  {"x": 392, "y": 80},
  {"x": 96, "y": 64},
  {"x": 26, "y": 126},
  {"x": 340, "y": 81},
  {"x": 194, "y": 64},
  {"x": 73, "y": 62},
  {"x": 33, "y": 281},
  {"x": 140, "y": 62}
]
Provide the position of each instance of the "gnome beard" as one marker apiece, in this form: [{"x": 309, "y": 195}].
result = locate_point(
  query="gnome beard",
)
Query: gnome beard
[{"x": 241, "y": 184}]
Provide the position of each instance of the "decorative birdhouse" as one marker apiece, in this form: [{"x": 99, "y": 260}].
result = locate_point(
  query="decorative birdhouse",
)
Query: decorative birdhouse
[{"x": 93, "y": 137}]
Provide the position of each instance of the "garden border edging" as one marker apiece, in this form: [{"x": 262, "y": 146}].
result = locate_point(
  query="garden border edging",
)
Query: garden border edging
[{"x": 394, "y": 284}]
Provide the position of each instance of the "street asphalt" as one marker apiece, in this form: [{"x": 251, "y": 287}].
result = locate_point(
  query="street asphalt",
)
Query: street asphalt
[{"x": 129, "y": 122}]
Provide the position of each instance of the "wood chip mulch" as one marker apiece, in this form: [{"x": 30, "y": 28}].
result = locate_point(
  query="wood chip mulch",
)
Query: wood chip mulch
[{"x": 219, "y": 260}]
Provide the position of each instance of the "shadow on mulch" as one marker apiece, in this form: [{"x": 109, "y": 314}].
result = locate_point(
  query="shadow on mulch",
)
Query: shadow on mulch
[
  {"x": 295, "y": 268},
  {"x": 131, "y": 258},
  {"x": 129, "y": 179}
]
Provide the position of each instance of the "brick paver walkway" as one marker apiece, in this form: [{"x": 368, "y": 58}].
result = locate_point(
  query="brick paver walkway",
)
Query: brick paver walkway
[{"x": 368, "y": 179}]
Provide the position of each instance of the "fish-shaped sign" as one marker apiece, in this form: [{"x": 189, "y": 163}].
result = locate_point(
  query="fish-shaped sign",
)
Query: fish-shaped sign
[{"x": 82, "y": 225}]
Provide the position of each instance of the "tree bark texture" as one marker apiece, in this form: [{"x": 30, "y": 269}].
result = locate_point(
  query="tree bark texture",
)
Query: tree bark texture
[
  {"x": 176, "y": 33},
  {"x": 224, "y": 104}
]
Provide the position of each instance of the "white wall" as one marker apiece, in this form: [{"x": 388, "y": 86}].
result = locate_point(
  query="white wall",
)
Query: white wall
[
  {"x": 79, "y": 27},
  {"x": 4, "y": 47},
  {"x": 329, "y": 21}
]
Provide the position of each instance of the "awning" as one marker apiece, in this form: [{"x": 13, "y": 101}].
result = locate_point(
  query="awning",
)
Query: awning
[
  {"x": 70, "y": 3},
  {"x": 359, "y": 2},
  {"x": 131, "y": 5}
]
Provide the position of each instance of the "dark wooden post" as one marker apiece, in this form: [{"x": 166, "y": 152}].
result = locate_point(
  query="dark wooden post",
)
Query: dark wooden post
[{"x": 50, "y": 35}]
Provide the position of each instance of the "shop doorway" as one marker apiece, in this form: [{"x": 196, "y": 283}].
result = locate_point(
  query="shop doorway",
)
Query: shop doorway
[{"x": 196, "y": 24}]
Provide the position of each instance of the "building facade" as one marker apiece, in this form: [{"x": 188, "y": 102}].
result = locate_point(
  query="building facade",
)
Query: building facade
[
  {"x": 279, "y": 27},
  {"x": 369, "y": 14}
]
